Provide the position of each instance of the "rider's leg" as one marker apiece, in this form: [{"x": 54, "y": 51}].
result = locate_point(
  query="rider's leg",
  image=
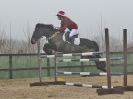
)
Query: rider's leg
[
  {"x": 72, "y": 40},
  {"x": 71, "y": 35},
  {"x": 66, "y": 35},
  {"x": 73, "y": 32}
]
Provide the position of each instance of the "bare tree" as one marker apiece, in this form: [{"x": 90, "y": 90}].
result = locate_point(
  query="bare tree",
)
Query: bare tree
[
  {"x": 28, "y": 47},
  {"x": 3, "y": 41}
]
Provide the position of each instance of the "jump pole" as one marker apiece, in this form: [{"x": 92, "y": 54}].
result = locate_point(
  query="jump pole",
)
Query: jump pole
[
  {"x": 46, "y": 83},
  {"x": 125, "y": 57},
  {"x": 39, "y": 60},
  {"x": 40, "y": 83},
  {"x": 126, "y": 87},
  {"x": 109, "y": 90},
  {"x": 107, "y": 58}
]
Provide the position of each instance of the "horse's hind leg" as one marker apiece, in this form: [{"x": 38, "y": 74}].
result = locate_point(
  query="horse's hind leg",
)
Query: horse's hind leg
[{"x": 101, "y": 65}]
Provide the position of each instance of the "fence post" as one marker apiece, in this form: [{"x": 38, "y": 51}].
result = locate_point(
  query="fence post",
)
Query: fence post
[
  {"x": 56, "y": 68},
  {"x": 48, "y": 67},
  {"x": 10, "y": 67}
]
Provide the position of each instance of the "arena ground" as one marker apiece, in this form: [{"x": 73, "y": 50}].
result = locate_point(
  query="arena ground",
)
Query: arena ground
[{"x": 20, "y": 89}]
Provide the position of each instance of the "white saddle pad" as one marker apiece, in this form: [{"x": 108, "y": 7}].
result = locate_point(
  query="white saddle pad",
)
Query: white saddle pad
[{"x": 77, "y": 41}]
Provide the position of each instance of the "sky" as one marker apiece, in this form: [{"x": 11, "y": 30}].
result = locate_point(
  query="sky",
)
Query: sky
[{"x": 92, "y": 16}]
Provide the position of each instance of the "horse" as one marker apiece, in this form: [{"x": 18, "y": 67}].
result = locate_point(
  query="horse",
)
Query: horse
[{"x": 57, "y": 44}]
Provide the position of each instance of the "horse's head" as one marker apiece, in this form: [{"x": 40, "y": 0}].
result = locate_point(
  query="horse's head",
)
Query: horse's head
[{"x": 42, "y": 30}]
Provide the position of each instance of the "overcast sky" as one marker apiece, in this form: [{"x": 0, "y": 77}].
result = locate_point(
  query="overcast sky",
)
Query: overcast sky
[{"x": 90, "y": 15}]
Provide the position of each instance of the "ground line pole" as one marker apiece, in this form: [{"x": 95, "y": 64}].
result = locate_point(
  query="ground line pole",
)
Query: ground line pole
[
  {"x": 125, "y": 56},
  {"x": 107, "y": 58}
]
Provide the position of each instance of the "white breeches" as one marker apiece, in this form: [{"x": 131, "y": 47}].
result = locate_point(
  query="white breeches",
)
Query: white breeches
[{"x": 72, "y": 32}]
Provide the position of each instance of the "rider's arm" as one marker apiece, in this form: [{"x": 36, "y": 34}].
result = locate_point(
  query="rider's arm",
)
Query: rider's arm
[
  {"x": 64, "y": 25},
  {"x": 62, "y": 29}
]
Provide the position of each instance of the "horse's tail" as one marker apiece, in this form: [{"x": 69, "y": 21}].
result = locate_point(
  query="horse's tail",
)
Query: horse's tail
[
  {"x": 96, "y": 46},
  {"x": 100, "y": 64}
]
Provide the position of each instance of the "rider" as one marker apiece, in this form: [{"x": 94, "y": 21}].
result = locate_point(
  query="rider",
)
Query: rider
[{"x": 67, "y": 25}]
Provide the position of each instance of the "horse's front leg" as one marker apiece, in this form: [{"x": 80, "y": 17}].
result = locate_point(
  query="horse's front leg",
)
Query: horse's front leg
[{"x": 49, "y": 48}]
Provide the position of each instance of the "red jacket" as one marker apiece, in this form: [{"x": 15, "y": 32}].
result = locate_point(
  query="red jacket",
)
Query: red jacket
[{"x": 67, "y": 23}]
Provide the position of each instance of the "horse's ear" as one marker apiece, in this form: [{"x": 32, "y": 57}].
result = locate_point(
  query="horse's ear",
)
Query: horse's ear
[{"x": 39, "y": 25}]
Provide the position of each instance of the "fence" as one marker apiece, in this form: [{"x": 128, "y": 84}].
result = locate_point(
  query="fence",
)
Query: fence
[{"x": 10, "y": 67}]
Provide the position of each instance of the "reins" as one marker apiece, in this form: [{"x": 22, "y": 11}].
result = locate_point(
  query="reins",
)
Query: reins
[{"x": 55, "y": 34}]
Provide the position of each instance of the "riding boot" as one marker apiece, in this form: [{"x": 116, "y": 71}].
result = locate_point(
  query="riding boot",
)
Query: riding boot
[
  {"x": 67, "y": 36},
  {"x": 72, "y": 40},
  {"x": 72, "y": 43}
]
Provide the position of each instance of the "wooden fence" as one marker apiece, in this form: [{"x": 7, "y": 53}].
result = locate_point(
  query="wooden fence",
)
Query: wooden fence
[{"x": 48, "y": 68}]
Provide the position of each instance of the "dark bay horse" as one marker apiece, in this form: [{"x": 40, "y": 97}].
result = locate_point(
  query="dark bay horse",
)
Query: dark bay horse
[{"x": 56, "y": 43}]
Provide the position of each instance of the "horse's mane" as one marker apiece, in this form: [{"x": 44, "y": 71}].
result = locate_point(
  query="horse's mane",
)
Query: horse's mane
[{"x": 45, "y": 25}]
